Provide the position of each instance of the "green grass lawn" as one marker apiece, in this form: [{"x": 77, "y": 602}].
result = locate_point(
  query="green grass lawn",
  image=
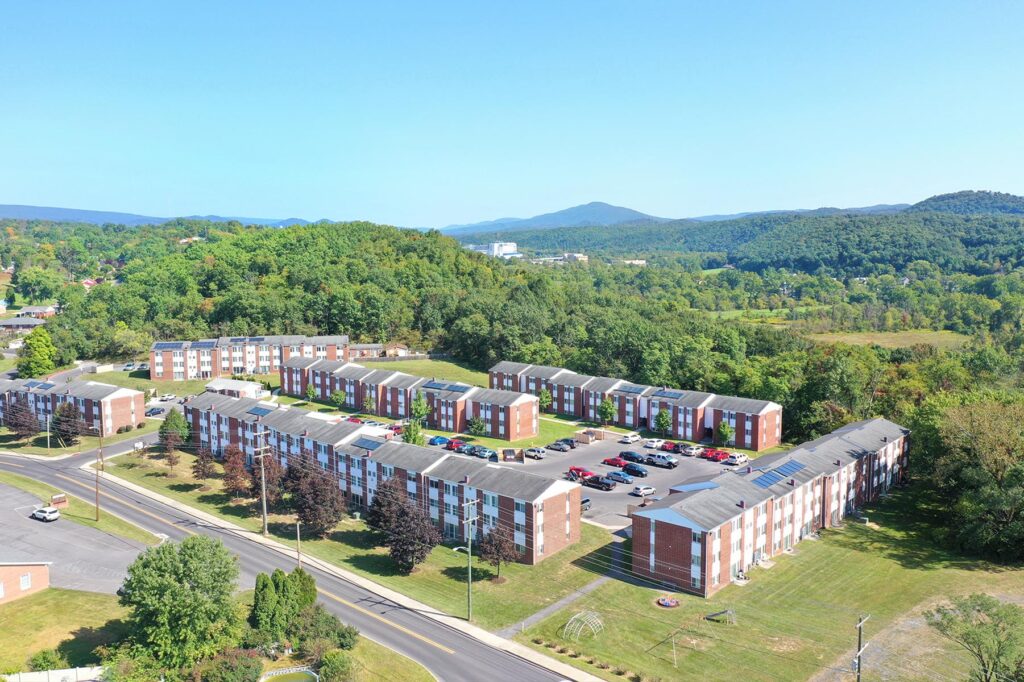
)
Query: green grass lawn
[
  {"x": 140, "y": 381},
  {"x": 70, "y": 621},
  {"x": 440, "y": 582},
  {"x": 940, "y": 339},
  {"x": 375, "y": 662},
  {"x": 798, "y": 617},
  {"x": 37, "y": 445},
  {"x": 78, "y": 510},
  {"x": 7, "y": 364},
  {"x": 438, "y": 369}
]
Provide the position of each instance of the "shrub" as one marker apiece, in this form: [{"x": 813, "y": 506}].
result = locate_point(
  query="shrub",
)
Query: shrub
[
  {"x": 141, "y": 425},
  {"x": 336, "y": 667},
  {"x": 315, "y": 622},
  {"x": 233, "y": 665},
  {"x": 47, "y": 659}
]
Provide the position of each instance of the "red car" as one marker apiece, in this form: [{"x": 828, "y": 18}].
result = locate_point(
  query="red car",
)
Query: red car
[
  {"x": 396, "y": 428},
  {"x": 707, "y": 453},
  {"x": 454, "y": 443},
  {"x": 354, "y": 420},
  {"x": 718, "y": 456},
  {"x": 669, "y": 446},
  {"x": 614, "y": 462},
  {"x": 580, "y": 472}
]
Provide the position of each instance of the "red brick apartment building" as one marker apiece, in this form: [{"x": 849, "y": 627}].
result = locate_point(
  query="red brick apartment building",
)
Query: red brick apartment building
[
  {"x": 509, "y": 415},
  {"x": 229, "y": 356},
  {"x": 543, "y": 515},
  {"x": 756, "y": 424},
  {"x": 21, "y": 578},
  {"x": 105, "y": 408},
  {"x": 704, "y": 533}
]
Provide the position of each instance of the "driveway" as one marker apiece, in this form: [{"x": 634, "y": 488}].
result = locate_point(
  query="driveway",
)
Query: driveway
[{"x": 83, "y": 558}]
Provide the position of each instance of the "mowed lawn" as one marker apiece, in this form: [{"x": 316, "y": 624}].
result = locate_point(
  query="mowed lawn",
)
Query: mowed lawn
[
  {"x": 940, "y": 339},
  {"x": 140, "y": 381},
  {"x": 70, "y": 621},
  {"x": 37, "y": 444},
  {"x": 78, "y": 510},
  {"x": 796, "y": 619},
  {"x": 432, "y": 369},
  {"x": 440, "y": 582}
]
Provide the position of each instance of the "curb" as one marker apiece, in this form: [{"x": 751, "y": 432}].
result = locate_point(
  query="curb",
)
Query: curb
[{"x": 478, "y": 633}]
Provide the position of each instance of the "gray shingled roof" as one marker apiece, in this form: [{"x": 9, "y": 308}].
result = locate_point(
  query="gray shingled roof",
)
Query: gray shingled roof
[
  {"x": 406, "y": 456},
  {"x": 573, "y": 379},
  {"x": 708, "y": 507},
  {"x": 619, "y": 390},
  {"x": 403, "y": 380},
  {"x": 745, "y": 405},
  {"x": 492, "y": 478},
  {"x": 509, "y": 367},
  {"x": 21, "y": 322},
  {"x": 544, "y": 371},
  {"x": 89, "y": 390},
  {"x": 352, "y": 371},
  {"x": 299, "y": 362},
  {"x": 378, "y": 376},
  {"x": 494, "y": 396},
  {"x": 603, "y": 384}
]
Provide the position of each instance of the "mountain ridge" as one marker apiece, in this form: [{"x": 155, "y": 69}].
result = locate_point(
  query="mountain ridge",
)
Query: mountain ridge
[
  {"x": 82, "y": 215},
  {"x": 592, "y": 213}
]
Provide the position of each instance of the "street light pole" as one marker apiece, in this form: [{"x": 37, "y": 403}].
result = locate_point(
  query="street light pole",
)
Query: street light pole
[
  {"x": 263, "y": 491},
  {"x": 298, "y": 543},
  {"x": 99, "y": 467}
]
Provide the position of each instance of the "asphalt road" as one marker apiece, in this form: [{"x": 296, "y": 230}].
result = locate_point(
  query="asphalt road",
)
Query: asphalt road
[
  {"x": 451, "y": 655},
  {"x": 82, "y": 558}
]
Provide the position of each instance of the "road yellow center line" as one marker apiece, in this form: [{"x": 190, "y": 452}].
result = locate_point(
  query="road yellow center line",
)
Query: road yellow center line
[
  {"x": 384, "y": 620},
  {"x": 141, "y": 511}
]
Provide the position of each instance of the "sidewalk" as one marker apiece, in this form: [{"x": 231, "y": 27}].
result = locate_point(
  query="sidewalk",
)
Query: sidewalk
[{"x": 478, "y": 633}]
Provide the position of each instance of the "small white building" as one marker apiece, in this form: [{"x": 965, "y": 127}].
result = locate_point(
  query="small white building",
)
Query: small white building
[
  {"x": 237, "y": 388},
  {"x": 498, "y": 249}
]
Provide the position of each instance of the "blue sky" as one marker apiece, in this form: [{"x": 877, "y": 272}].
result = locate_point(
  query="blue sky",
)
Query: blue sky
[{"x": 424, "y": 114}]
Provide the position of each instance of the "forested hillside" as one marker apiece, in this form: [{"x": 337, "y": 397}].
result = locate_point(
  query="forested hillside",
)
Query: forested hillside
[{"x": 971, "y": 202}]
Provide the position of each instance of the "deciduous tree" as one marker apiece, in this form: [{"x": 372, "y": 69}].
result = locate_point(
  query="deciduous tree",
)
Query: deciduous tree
[
  {"x": 274, "y": 479},
  {"x": 544, "y": 399},
  {"x": 37, "y": 356},
  {"x": 318, "y": 503},
  {"x": 21, "y": 420},
  {"x": 310, "y": 392},
  {"x": 411, "y": 537},
  {"x": 476, "y": 426},
  {"x": 202, "y": 467},
  {"x": 236, "y": 478},
  {"x": 606, "y": 410},
  {"x": 992, "y": 631},
  {"x": 67, "y": 424},
  {"x": 386, "y": 505},
  {"x": 498, "y": 547},
  {"x": 663, "y": 422},
  {"x": 723, "y": 432}
]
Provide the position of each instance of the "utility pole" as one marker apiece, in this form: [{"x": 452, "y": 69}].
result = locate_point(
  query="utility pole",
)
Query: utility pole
[
  {"x": 99, "y": 467},
  {"x": 298, "y": 543},
  {"x": 47, "y": 435},
  {"x": 263, "y": 491},
  {"x": 470, "y": 523},
  {"x": 861, "y": 646}
]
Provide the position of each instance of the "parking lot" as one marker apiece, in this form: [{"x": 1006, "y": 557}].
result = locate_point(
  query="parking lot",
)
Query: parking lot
[{"x": 609, "y": 507}]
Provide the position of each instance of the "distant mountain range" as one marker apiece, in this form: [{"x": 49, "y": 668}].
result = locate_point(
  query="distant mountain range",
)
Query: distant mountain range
[
  {"x": 78, "y": 215},
  {"x": 594, "y": 213}
]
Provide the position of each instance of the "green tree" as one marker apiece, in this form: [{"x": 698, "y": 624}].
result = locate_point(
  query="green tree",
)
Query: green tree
[
  {"x": 236, "y": 478},
  {"x": 336, "y": 666},
  {"x": 724, "y": 432},
  {"x": 318, "y": 503},
  {"x": 663, "y": 422},
  {"x": 369, "y": 406},
  {"x": 310, "y": 392},
  {"x": 476, "y": 426},
  {"x": 544, "y": 399},
  {"x": 48, "y": 659},
  {"x": 37, "y": 285},
  {"x": 274, "y": 477},
  {"x": 181, "y": 597},
  {"x": 264, "y": 605},
  {"x": 37, "y": 355},
  {"x": 606, "y": 410},
  {"x": 992, "y": 631},
  {"x": 413, "y": 431},
  {"x": 386, "y": 504},
  {"x": 411, "y": 538},
  {"x": 175, "y": 421},
  {"x": 67, "y": 424},
  {"x": 338, "y": 399},
  {"x": 314, "y": 623},
  {"x": 233, "y": 665},
  {"x": 498, "y": 547},
  {"x": 126, "y": 342},
  {"x": 202, "y": 467},
  {"x": 21, "y": 420}
]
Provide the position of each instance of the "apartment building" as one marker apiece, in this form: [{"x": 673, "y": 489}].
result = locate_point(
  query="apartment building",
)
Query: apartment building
[
  {"x": 543, "y": 515},
  {"x": 509, "y": 415},
  {"x": 229, "y": 356},
  {"x": 703, "y": 534},
  {"x": 105, "y": 409},
  {"x": 756, "y": 424}
]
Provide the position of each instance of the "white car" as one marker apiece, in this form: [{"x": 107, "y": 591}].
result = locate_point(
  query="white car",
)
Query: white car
[
  {"x": 737, "y": 458},
  {"x": 630, "y": 438},
  {"x": 167, "y": 397},
  {"x": 693, "y": 450},
  {"x": 46, "y": 514},
  {"x": 654, "y": 443},
  {"x": 374, "y": 422},
  {"x": 644, "y": 490},
  {"x": 535, "y": 453}
]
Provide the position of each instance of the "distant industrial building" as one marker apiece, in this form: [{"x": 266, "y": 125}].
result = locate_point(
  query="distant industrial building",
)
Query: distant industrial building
[{"x": 497, "y": 249}]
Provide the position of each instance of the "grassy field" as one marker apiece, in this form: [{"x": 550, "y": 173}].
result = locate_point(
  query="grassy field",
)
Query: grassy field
[
  {"x": 777, "y": 316},
  {"x": 375, "y": 662},
  {"x": 939, "y": 339},
  {"x": 797, "y": 618},
  {"x": 7, "y": 364},
  {"x": 140, "y": 381},
  {"x": 72, "y": 622},
  {"x": 37, "y": 445},
  {"x": 78, "y": 510},
  {"x": 433, "y": 369},
  {"x": 440, "y": 582}
]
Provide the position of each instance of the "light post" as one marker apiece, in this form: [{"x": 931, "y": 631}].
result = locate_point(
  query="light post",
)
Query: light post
[
  {"x": 298, "y": 543},
  {"x": 263, "y": 490}
]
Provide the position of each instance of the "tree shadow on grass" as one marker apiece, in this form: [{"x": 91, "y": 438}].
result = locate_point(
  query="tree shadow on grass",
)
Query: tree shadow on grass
[
  {"x": 458, "y": 573},
  {"x": 600, "y": 561},
  {"x": 185, "y": 487},
  {"x": 225, "y": 505},
  {"x": 79, "y": 649},
  {"x": 361, "y": 538}
]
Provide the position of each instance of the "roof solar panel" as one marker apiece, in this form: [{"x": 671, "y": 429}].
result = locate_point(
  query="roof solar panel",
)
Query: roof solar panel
[
  {"x": 260, "y": 411},
  {"x": 671, "y": 395},
  {"x": 367, "y": 443},
  {"x": 767, "y": 480},
  {"x": 458, "y": 388},
  {"x": 790, "y": 468},
  {"x": 237, "y": 339},
  {"x": 204, "y": 344},
  {"x": 435, "y": 385},
  {"x": 47, "y": 386},
  {"x": 256, "y": 338},
  {"x": 631, "y": 389},
  {"x": 168, "y": 345},
  {"x": 33, "y": 384}
]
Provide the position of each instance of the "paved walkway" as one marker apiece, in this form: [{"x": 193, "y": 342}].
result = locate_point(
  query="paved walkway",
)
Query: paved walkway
[{"x": 550, "y": 609}]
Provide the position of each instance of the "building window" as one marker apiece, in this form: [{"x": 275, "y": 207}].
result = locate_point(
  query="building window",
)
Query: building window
[
  {"x": 433, "y": 484},
  {"x": 520, "y": 506},
  {"x": 410, "y": 476},
  {"x": 491, "y": 499},
  {"x": 26, "y": 582}
]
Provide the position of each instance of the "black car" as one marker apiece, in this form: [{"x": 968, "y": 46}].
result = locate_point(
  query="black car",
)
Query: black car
[
  {"x": 631, "y": 456},
  {"x": 634, "y": 469},
  {"x": 585, "y": 504},
  {"x": 599, "y": 482},
  {"x": 559, "y": 446},
  {"x": 571, "y": 442}
]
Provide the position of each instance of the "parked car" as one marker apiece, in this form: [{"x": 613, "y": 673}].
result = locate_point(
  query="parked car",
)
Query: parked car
[
  {"x": 620, "y": 477},
  {"x": 614, "y": 461},
  {"x": 559, "y": 446},
  {"x": 453, "y": 444},
  {"x": 535, "y": 453},
  {"x": 669, "y": 446},
  {"x": 143, "y": 365},
  {"x": 374, "y": 422},
  {"x": 438, "y": 440},
  {"x": 736, "y": 458},
  {"x": 643, "y": 490},
  {"x": 129, "y": 366},
  {"x": 706, "y": 452},
  {"x": 155, "y": 411},
  {"x": 46, "y": 514},
  {"x": 466, "y": 449},
  {"x": 631, "y": 456},
  {"x": 354, "y": 420},
  {"x": 692, "y": 450},
  {"x": 485, "y": 453},
  {"x": 630, "y": 438},
  {"x": 571, "y": 442},
  {"x": 634, "y": 469},
  {"x": 168, "y": 397},
  {"x": 580, "y": 472},
  {"x": 718, "y": 456},
  {"x": 654, "y": 443},
  {"x": 585, "y": 504},
  {"x": 396, "y": 428},
  {"x": 599, "y": 482},
  {"x": 659, "y": 459}
]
